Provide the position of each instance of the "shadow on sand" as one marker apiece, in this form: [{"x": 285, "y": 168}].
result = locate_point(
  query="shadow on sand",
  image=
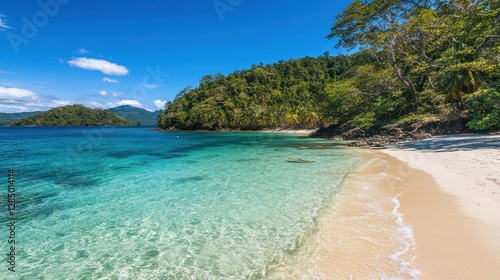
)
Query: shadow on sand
[{"x": 451, "y": 143}]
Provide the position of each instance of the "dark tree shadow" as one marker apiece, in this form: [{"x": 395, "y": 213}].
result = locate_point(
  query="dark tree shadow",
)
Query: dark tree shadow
[{"x": 450, "y": 143}]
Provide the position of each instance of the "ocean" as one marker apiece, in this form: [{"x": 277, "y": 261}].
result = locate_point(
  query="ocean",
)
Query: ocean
[{"x": 132, "y": 203}]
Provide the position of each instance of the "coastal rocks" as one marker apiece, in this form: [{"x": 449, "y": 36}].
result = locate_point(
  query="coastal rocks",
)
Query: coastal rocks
[
  {"x": 354, "y": 133},
  {"x": 381, "y": 136},
  {"x": 358, "y": 144}
]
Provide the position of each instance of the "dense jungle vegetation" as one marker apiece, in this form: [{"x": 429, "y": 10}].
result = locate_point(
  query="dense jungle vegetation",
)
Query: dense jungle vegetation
[{"x": 411, "y": 61}]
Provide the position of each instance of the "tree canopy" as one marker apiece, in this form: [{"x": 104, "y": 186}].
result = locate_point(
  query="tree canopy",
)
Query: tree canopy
[
  {"x": 285, "y": 94},
  {"x": 451, "y": 47},
  {"x": 414, "y": 59}
]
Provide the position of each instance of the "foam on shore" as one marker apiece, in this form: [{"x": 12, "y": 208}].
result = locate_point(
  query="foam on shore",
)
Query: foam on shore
[
  {"x": 361, "y": 235},
  {"x": 456, "y": 221},
  {"x": 394, "y": 221}
]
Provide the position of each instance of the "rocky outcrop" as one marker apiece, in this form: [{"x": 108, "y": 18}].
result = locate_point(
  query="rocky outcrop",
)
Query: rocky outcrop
[{"x": 381, "y": 136}]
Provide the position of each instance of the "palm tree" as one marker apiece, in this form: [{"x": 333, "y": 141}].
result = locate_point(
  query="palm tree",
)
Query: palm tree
[{"x": 461, "y": 82}]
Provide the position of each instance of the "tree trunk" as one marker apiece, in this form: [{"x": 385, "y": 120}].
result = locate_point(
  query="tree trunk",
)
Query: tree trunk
[{"x": 406, "y": 81}]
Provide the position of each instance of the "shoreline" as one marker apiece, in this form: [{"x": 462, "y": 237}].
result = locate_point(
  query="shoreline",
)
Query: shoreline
[
  {"x": 359, "y": 234},
  {"x": 452, "y": 202},
  {"x": 364, "y": 224},
  {"x": 465, "y": 166},
  {"x": 394, "y": 220},
  {"x": 305, "y": 132}
]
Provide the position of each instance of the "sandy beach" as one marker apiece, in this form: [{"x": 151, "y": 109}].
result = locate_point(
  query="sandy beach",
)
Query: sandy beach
[
  {"x": 419, "y": 210},
  {"x": 291, "y": 131},
  {"x": 456, "y": 224}
]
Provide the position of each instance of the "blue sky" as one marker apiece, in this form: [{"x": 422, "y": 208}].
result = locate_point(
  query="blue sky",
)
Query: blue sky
[{"x": 104, "y": 53}]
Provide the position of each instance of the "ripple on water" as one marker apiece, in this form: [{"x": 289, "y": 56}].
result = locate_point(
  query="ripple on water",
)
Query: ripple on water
[{"x": 205, "y": 206}]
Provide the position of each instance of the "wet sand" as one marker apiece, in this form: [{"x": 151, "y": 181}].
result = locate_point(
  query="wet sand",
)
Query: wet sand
[
  {"x": 360, "y": 235},
  {"x": 363, "y": 236},
  {"x": 411, "y": 213},
  {"x": 457, "y": 223}
]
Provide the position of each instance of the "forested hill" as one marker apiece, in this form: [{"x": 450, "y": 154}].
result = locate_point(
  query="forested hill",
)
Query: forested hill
[
  {"x": 74, "y": 115},
  {"x": 139, "y": 115},
  {"x": 8, "y": 118},
  {"x": 285, "y": 94},
  {"x": 417, "y": 60}
]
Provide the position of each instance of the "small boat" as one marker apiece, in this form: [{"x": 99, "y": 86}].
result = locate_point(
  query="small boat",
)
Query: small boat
[{"x": 299, "y": 160}]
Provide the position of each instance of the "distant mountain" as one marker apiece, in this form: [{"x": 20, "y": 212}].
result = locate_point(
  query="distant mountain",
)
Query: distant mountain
[
  {"x": 8, "y": 118},
  {"x": 141, "y": 116},
  {"x": 74, "y": 115}
]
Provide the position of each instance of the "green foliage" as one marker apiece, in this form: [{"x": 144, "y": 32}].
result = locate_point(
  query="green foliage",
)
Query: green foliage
[
  {"x": 431, "y": 102},
  {"x": 470, "y": 50},
  {"x": 9, "y": 118},
  {"x": 416, "y": 60},
  {"x": 365, "y": 119},
  {"x": 141, "y": 116},
  {"x": 74, "y": 115},
  {"x": 341, "y": 100},
  {"x": 287, "y": 94},
  {"x": 415, "y": 118},
  {"x": 447, "y": 46},
  {"x": 484, "y": 106}
]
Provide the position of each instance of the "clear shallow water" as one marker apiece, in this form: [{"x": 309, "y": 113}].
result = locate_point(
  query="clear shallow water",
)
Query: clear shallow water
[{"x": 129, "y": 203}]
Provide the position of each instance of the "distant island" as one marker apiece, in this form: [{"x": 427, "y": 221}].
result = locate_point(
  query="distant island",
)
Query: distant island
[
  {"x": 141, "y": 116},
  {"x": 9, "y": 118},
  {"x": 74, "y": 115}
]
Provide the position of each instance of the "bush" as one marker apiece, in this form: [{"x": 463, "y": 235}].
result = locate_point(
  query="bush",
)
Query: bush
[
  {"x": 430, "y": 102},
  {"x": 416, "y": 118},
  {"x": 484, "y": 108},
  {"x": 365, "y": 120}
]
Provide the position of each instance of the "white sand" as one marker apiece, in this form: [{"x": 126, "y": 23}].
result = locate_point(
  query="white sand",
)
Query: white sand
[
  {"x": 457, "y": 222},
  {"x": 292, "y": 131},
  {"x": 422, "y": 210},
  {"x": 465, "y": 166}
]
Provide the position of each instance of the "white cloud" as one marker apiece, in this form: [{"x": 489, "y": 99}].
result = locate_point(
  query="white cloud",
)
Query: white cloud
[
  {"x": 83, "y": 51},
  {"x": 108, "y": 105},
  {"x": 150, "y": 86},
  {"x": 107, "y": 94},
  {"x": 16, "y": 94},
  {"x": 160, "y": 104},
  {"x": 3, "y": 23},
  {"x": 14, "y": 100},
  {"x": 104, "y": 66},
  {"x": 99, "y": 105},
  {"x": 108, "y": 80},
  {"x": 133, "y": 103}
]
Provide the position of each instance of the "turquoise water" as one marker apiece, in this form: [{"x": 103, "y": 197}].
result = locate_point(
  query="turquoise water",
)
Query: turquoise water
[{"x": 130, "y": 203}]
